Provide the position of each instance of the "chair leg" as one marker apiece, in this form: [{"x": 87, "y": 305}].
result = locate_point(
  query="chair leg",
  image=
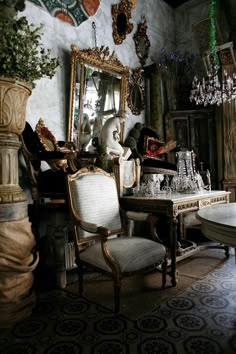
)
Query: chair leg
[
  {"x": 117, "y": 286},
  {"x": 80, "y": 278},
  {"x": 164, "y": 271}
]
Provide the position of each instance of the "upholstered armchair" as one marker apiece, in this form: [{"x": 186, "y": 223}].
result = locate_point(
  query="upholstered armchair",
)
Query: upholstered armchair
[{"x": 99, "y": 234}]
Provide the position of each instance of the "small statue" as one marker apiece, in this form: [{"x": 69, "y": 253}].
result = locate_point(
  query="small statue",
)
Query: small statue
[
  {"x": 110, "y": 136},
  {"x": 85, "y": 131}
]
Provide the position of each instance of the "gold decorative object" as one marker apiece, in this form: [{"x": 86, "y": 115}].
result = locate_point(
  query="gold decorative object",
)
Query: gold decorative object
[
  {"x": 142, "y": 43},
  {"x": 135, "y": 97},
  {"x": 49, "y": 143},
  {"x": 95, "y": 68},
  {"x": 121, "y": 15}
]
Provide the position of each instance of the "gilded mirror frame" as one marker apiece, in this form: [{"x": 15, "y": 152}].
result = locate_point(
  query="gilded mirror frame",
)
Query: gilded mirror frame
[
  {"x": 142, "y": 43},
  {"x": 101, "y": 59},
  {"x": 121, "y": 15},
  {"x": 136, "y": 92}
]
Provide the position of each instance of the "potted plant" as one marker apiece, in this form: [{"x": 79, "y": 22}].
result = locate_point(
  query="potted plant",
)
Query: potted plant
[
  {"x": 23, "y": 60},
  {"x": 22, "y": 56}
]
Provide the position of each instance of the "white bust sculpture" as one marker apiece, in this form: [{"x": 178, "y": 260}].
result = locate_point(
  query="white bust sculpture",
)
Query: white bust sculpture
[{"x": 110, "y": 136}]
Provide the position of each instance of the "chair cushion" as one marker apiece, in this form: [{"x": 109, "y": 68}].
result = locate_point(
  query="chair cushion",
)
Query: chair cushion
[{"x": 131, "y": 253}]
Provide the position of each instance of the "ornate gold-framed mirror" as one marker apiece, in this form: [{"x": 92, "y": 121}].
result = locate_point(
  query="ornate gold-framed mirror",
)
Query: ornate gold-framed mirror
[
  {"x": 98, "y": 91},
  {"x": 142, "y": 43},
  {"x": 121, "y": 15},
  {"x": 135, "y": 97}
]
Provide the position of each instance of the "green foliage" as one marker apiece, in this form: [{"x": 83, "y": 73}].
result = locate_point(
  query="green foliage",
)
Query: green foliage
[{"x": 22, "y": 55}]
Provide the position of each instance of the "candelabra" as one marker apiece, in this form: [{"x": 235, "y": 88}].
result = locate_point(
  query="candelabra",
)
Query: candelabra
[
  {"x": 187, "y": 180},
  {"x": 211, "y": 91}
]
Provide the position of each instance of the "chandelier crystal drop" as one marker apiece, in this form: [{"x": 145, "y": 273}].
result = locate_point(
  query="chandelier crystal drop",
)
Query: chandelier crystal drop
[{"x": 212, "y": 90}]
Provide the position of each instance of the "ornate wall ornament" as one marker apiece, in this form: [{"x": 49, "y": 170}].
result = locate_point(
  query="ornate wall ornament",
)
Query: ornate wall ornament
[
  {"x": 73, "y": 12},
  {"x": 135, "y": 97},
  {"x": 142, "y": 43},
  {"x": 121, "y": 15}
]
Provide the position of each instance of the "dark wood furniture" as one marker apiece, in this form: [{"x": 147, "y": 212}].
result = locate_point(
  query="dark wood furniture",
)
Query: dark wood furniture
[
  {"x": 172, "y": 207},
  {"x": 195, "y": 130}
]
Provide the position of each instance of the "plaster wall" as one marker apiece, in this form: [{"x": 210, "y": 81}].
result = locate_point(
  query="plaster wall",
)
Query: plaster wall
[
  {"x": 49, "y": 99},
  {"x": 165, "y": 28}
]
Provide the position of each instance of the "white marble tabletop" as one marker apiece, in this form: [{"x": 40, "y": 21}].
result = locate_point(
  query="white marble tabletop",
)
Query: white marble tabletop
[
  {"x": 223, "y": 214},
  {"x": 219, "y": 223}
]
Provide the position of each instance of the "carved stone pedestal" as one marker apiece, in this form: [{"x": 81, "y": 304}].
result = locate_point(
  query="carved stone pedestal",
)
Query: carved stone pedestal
[
  {"x": 17, "y": 261},
  {"x": 17, "y": 256}
]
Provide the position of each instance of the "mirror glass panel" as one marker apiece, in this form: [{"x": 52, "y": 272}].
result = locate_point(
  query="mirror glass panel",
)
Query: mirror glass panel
[{"x": 97, "y": 92}]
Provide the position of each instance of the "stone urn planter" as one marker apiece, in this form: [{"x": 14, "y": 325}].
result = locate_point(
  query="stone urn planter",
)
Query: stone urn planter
[
  {"x": 16, "y": 239},
  {"x": 13, "y": 100}
]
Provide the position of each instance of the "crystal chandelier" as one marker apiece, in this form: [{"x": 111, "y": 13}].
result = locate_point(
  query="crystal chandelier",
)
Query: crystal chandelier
[{"x": 211, "y": 90}]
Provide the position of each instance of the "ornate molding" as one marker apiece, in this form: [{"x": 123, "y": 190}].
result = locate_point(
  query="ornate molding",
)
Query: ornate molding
[
  {"x": 142, "y": 43},
  {"x": 100, "y": 57}
]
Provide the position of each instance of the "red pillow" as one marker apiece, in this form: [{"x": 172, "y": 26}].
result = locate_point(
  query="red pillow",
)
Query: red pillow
[{"x": 154, "y": 147}]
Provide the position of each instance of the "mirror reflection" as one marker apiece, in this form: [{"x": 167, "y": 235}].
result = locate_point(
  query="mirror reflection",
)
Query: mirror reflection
[
  {"x": 101, "y": 101},
  {"x": 98, "y": 91}
]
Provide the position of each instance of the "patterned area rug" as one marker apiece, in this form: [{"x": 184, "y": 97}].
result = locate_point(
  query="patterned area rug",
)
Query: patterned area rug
[
  {"x": 142, "y": 294},
  {"x": 199, "y": 320}
]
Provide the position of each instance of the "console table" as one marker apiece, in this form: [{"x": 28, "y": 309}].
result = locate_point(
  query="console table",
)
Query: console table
[
  {"x": 219, "y": 223},
  {"x": 173, "y": 206}
]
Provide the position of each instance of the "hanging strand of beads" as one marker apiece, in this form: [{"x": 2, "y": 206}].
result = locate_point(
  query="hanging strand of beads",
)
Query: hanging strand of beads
[
  {"x": 212, "y": 91},
  {"x": 94, "y": 33}
]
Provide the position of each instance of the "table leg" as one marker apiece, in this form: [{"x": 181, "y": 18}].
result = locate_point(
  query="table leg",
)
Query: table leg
[{"x": 173, "y": 223}]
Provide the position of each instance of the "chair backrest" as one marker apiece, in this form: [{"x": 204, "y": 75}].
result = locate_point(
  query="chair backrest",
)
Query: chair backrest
[
  {"x": 93, "y": 198},
  {"x": 127, "y": 174},
  {"x": 43, "y": 184}
]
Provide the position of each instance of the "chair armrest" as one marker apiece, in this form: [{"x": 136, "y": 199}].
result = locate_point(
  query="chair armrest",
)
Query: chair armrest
[
  {"x": 88, "y": 226},
  {"x": 94, "y": 228},
  {"x": 150, "y": 218},
  {"x": 136, "y": 216}
]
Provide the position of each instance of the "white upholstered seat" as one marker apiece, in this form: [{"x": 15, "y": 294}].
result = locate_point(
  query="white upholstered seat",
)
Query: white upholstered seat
[{"x": 98, "y": 232}]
